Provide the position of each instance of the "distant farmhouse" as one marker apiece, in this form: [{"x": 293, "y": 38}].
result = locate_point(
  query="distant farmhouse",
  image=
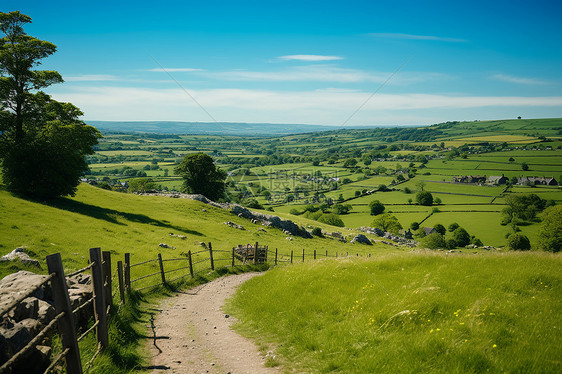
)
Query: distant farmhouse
[
  {"x": 544, "y": 181},
  {"x": 476, "y": 179},
  {"x": 428, "y": 230},
  {"x": 497, "y": 180}
]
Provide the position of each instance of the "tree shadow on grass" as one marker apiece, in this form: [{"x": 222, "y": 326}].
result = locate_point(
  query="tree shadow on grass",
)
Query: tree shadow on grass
[{"x": 111, "y": 215}]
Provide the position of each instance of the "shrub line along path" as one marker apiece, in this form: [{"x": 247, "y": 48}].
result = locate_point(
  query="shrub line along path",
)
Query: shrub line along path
[{"x": 193, "y": 334}]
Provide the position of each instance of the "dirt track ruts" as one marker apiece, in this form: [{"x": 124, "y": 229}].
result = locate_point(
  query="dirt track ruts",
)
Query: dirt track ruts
[{"x": 194, "y": 336}]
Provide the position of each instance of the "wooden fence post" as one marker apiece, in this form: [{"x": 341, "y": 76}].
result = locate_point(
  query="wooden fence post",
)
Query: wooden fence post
[
  {"x": 100, "y": 308},
  {"x": 315, "y": 254},
  {"x": 303, "y": 255},
  {"x": 291, "y": 256},
  {"x": 127, "y": 270},
  {"x": 190, "y": 263},
  {"x": 255, "y": 252},
  {"x": 275, "y": 256},
  {"x": 66, "y": 323},
  {"x": 336, "y": 254},
  {"x": 162, "y": 275},
  {"x": 120, "y": 276},
  {"x": 232, "y": 256},
  {"x": 211, "y": 254},
  {"x": 326, "y": 253},
  {"x": 266, "y": 250},
  {"x": 107, "y": 275}
]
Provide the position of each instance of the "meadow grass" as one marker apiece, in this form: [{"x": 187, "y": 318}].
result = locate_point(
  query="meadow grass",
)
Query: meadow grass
[{"x": 409, "y": 312}]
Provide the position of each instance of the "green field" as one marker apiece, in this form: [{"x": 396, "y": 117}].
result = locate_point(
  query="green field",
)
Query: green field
[{"x": 417, "y": 312}]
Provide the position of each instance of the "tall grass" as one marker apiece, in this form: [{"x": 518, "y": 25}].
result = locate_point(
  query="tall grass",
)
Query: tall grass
[{"x": 421, "y": 312}]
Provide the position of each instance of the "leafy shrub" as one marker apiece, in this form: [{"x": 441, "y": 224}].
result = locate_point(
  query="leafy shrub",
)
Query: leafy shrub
[
  {"x": 342, "y": 209},
  {"x": 440, "y": 229},
  {"x": 453, "y": 226},
  {"x": 141, "y": 185},
  {"x": 461, "y": 237},
  {"x": 518, "y": 241},
  {"x": 387, "y": 222},
  {"x": 450, "y": 243},
  {"x": 414, "y": 226},
  {"x": 424, "y": 198},
  {"x": 331, "y": 219},
  {"x": 474, "y": 240},
  {"x": 407, "y": 190},
  {"x": 317, "y": 231},
  {"x": 434, "y": 241},
  {"x": 253, "y": 204},
  {"x": 550, "y": 231},
  {"x": 376, "y": 207}
]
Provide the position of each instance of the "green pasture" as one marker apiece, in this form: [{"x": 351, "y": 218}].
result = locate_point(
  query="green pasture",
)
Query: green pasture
[
  {"x": 120, "y": 222},
  {"x": 408, "y": 312}
]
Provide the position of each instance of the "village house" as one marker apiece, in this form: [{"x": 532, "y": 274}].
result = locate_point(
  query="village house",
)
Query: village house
[
  {"x": 545, "y": 181},
  {"x": 476, "y": 179},
  {"x": 497, "y": 180}
]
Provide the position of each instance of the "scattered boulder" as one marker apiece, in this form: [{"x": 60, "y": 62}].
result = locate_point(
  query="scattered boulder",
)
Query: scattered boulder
[
  {"x": 19, "y": 254},
  {"x": 360, "y": 238},
  {"x": 164, "y": 245},
  {"x": 234, "y": 225}
]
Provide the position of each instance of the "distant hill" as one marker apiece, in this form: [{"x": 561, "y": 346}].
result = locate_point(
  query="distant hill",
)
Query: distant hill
[{"x": 207, "y": 128}]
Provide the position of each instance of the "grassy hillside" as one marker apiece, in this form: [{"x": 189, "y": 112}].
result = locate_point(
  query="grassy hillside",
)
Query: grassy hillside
[
  {"x": 121, "y": 223},
  {"x": 403, "y": 313}
]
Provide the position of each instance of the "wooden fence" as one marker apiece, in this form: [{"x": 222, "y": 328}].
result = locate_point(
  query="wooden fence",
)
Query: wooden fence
[{"x": 191, "y": 265}]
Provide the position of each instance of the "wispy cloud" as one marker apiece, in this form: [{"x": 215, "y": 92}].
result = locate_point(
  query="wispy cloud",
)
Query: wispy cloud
[
  {"x": 519, "y": 80},
  {"x": 172, "y": 70},
  {"x": 322, "y": 73},
  {"x": 329, "y": 106},
  {"x": 416, "y": 37},
  {"x": 310, "y": 58},
  {"x": 91, "y": 78}
]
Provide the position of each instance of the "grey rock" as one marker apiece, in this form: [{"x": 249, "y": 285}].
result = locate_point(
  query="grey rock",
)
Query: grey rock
[
  {"x": 19, "y": 254},
  {"x": 360, "y": 238}
]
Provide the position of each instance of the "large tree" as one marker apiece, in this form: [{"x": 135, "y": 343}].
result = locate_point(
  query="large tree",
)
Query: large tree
[
  {"x": 200, "y": 175},
  {"x": 42, "y": 141}
]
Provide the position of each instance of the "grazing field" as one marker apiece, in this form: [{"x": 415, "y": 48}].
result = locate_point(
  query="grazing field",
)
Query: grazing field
[
  {"x": 403, "y": 313},
  {"x": 287, "y": 173}
]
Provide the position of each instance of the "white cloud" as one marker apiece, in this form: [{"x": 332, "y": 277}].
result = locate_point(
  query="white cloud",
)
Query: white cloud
[
  {"x": 310, "y": 58},
  {"x": 519, "y": 80},
  {"x": 323, "y": 73},
  {"x": 416, "y": 37},
  {"x": 172, "y": 70},
  {"x": 329, "y": 106},
  {"x": 90, "y": 78}
]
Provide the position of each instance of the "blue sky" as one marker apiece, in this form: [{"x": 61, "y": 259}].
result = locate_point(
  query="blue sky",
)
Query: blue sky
[{"x": 314, "y": 62}]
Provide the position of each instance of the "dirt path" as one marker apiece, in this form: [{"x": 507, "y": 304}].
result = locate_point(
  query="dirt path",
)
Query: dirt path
[{"x": 195, "y": 336}]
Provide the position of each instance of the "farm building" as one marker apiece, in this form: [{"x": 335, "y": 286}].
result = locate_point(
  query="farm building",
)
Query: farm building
[
  {"x": 545, "y": 181},
  {"x": 470, "y": 179},
  {"x": 428, "y": 230},
  {"x": 495, "y": 179}
]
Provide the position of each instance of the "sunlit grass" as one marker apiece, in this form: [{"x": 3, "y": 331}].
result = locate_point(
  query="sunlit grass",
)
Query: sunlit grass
[{"x": 420, "y": 312}]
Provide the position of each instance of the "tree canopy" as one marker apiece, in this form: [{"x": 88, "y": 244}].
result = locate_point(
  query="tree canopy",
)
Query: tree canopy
[
  {"x": 424, "y": 198},
  {"x": 200, "y": 175},
  {"x": 376, "y": 207},
  {"x": 42, "y": 141},
  {"x": 550, "y": 231},
  {"x": 387, "y": 222}
]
